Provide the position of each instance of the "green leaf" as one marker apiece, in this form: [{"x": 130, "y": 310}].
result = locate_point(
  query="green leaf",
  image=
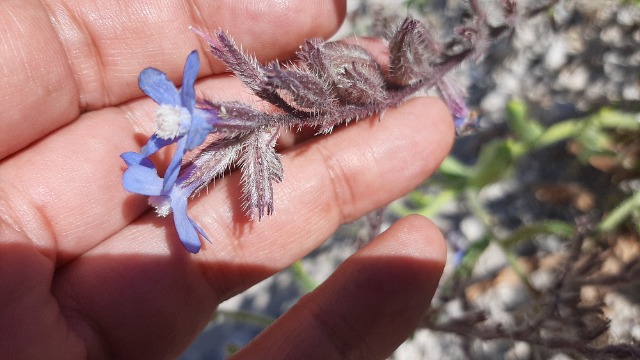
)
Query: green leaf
[
  {"x": 591, "y": 130},
  {"x": 524, "y": 128},
  {"x": 232, "y": 348},
  {"x": 618, "y": 215},
  {"x": 244, "y": 316},
  {"x": 428, "y": 205},
  {"x": 494, "y": 163},
  {"x": 420, "y": 5},
  {"x": 595, "y": 141},
  {"x": 618, "y": 120},
  {"x": 525, "y": 232},
  {"x": 453, "y": 167},
  {"x": 471, "y": 256},
  {"x": 306, "y": 283},
  {"x": 560, "y": 131}
]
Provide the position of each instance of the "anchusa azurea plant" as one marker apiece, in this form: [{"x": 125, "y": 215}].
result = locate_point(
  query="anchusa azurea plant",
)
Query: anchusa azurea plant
[{"x": 333, "y": 83}]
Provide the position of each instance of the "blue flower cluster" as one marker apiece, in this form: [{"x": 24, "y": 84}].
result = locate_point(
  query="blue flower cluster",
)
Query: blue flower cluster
[{"x": 178, "y": 120}]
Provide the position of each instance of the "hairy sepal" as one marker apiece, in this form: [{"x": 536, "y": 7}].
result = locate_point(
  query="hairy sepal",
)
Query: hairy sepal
[
  {"x": 353, "y": 74},
  {"x": 413, "y": 51},
  {"x": 260, "y": 166},
  {"x": 212, "y": 162},
  {"x": 301, "y": 88}
]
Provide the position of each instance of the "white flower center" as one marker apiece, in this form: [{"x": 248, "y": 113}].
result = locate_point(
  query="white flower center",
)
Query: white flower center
[
  {"x": 168, "y": 119},
  {"x": 162, "y": 204}
]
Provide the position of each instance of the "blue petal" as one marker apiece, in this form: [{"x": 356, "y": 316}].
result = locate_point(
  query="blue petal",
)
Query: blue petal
[
  {"x": 173, "y": 170},
  {"x": 199, "y": 229},
  {"x": 155, "y": 84},
  {"x": 187, "y": 92},
  {"x": 459, "y": 121},
  {"x": 198, "y": 131},
  {"x": 154, "y": 144},
  {"x": 458, "y": 257},
  {"x": 134, "y": 159},
  {"x": 142, "y": 180},
  {"x": 186, "y": 231}
]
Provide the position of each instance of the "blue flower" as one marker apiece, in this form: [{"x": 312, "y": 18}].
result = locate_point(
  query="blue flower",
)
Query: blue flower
[
  {"x": 454, "y": 96},
  {"x": 177, "y": 118},
  {"x": 142, "y": 178},
  {"x": 458, "y": 257}
]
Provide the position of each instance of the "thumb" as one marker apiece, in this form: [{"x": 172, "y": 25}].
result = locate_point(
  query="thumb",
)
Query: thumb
[{"x": 368, "y": 307}]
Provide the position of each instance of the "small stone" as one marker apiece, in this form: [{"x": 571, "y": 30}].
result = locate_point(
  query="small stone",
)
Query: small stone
[
  {"x": 574, "y": 79},
  {"x": 574, "y": 41},
  {"x": 472, "y": 228},
  {"x": 613, "y": 35},
  {"x": 635, "y": 333},
  {"x": 631, "y": 92},
  {"x": 494, "y": 102},
  {"x": 596, "y": 89},
  {"x": 556, "y": 57},
  {"x": 542, "y": 279},
  {"x": 491, "y": 260},
  {"x": 520, "y": 350},
  {"x": 634, "y": 59},
  {"x": 512, "y": 296},
  {"x": 560, "y": 356},
  {"x": 628, "y": 16},
  {"x": 497, "y": 191},
  {"x": 561, "y": 15}
]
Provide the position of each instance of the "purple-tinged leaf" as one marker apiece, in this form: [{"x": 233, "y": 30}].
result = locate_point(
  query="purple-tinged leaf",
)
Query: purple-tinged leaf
[
  {"x": 245, "y": 67},
  {"x": 235, "y": 118},
  {"x": 302, "y": 89},
  {"x": 261, "y": 167},
  {"x": 354, "y": 76},
  {"x": 212, "y": 162}
]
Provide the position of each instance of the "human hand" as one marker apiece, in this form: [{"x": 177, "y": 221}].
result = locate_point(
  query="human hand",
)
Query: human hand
[{"x": 87, "y": 270}]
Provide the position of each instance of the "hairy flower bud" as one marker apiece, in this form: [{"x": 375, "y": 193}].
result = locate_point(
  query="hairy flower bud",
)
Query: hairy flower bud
[
  {"x": 412, "y": 50},
  {"x": 303, "y": 90},
  {"x": 354, "y": 75}
]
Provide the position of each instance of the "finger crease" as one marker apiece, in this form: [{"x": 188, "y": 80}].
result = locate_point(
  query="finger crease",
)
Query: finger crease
[
  {"x": 318, "y": 316},
  {"x": 341, "y": 187},
  {"x": 69, "y": 28}
]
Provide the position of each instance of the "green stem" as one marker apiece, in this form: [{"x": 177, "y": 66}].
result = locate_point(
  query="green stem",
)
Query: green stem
[
  {"x": 246, "y": 317},
  {"x": 620, "y": 213},
  {"x": 306, "y": 283},
  {"x": 478, "y": 210}
]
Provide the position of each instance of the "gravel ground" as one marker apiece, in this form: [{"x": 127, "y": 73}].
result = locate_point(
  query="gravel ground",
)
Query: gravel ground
[{"x": 594, "y": 60}]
